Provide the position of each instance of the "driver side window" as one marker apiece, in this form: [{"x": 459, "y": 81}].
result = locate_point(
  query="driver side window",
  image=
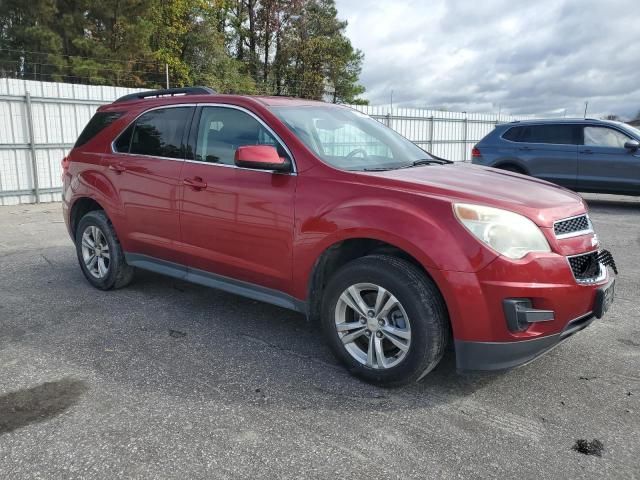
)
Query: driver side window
[{"x": 222, "y": 130}]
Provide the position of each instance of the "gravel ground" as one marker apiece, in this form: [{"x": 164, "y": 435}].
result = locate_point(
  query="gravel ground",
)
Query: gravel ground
[{"x": 169, "y": 380}]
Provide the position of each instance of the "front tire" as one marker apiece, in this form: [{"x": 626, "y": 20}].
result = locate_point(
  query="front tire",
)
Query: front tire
[
  {"x": 385, "y": 320},
  {"x": 100, "y": 254}
]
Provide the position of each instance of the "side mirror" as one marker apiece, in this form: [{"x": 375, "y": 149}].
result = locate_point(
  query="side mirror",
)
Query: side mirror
[
  {"x": 632, "y": 145},
  {"x": 262, "y": 157}
]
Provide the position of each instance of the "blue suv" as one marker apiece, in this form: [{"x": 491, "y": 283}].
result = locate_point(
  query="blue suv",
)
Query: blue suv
[{"x": 586, "y": 155}]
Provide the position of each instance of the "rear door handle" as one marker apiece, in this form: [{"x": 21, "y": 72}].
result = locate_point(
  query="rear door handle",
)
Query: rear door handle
[
  {"x": 525, "y": 148},
  {"x": 588, "y": 151},
  {"x": 196, "y": 183},
  {"x": 117, "y": 167}
]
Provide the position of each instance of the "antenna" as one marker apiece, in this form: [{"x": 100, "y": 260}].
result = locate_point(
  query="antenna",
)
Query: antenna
[{"x": 586, "y": 106}]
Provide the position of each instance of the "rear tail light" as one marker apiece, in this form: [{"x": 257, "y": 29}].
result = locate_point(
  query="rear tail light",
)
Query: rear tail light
[
  {"x": 475, "y": 152},
  {"x": 65, "y": 167}
]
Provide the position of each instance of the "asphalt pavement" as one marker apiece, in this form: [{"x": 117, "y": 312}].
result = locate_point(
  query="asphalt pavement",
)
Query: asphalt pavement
[{"x": 165, "y": 379}]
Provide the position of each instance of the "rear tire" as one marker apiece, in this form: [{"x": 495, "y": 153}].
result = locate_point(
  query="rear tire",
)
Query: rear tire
[
  {"x": 100, "y": 254},
  {"x": 386, "y": 348}
]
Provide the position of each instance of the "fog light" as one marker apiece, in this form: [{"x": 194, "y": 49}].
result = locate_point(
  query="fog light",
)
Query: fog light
[{"x": 520, "y": 314}]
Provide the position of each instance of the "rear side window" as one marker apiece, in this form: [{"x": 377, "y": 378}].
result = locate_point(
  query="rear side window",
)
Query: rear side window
[
  {"x": 98, "y": 122},
  {"x": 159, "y": 133},
  {"x": 553, "y": 134}
]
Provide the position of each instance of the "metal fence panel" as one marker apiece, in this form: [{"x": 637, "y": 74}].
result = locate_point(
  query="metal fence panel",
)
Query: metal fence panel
[{"x": 59, "y": 112}]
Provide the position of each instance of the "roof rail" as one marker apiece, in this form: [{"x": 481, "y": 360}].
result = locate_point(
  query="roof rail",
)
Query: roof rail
[{"x": 167, "y": 92}]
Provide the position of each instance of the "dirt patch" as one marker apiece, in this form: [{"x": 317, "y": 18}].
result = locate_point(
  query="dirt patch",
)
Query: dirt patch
[
  {"x": 39, "y": 403},
  {"x": 594, "y": 447},
  {"x": 176, "y": 333}
]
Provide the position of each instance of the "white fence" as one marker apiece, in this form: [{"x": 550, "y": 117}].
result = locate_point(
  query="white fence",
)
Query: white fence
[
  {"x": 449, "y": 135},
  {"x": 41, "y": 121}
]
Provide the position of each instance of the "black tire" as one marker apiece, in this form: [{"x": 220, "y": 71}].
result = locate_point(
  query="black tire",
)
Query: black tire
[
  {"x": 119, "y": 274},
  {"x": 422, "y": 302}
]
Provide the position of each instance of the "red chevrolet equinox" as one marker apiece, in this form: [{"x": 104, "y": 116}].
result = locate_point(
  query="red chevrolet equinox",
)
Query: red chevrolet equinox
[{"x": 320, "y": 209}]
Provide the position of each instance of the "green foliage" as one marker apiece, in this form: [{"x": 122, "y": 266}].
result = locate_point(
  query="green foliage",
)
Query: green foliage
[{"x": 289, "y": 47}]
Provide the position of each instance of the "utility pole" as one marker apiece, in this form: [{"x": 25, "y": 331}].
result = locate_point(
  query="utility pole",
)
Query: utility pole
[
  {"x": 166, "y": 73},
  {"x": 391, "y": 104}
]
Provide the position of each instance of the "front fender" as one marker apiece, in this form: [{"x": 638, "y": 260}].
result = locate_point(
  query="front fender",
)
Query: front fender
[{"x": 425, "y": 228}]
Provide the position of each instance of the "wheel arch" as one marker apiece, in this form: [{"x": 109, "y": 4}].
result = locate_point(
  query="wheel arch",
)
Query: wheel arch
[
  {"x": 81, "y": 206},
  {"x": 342, "y": 252},
  {"x": 513, "y": 164}
]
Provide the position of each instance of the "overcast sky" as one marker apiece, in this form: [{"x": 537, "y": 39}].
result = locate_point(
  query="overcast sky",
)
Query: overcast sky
[{"x": 536, "y": 57}]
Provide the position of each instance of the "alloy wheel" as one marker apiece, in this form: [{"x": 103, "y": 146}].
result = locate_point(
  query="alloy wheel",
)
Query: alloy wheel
[
  {"x": 373, "y": 325},
  {"x": 95, "y": 252}
]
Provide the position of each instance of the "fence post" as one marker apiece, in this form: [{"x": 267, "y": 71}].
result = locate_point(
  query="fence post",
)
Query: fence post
[
  {"x": 388, "y": 119},
  {"x": 431, "y": 134},
  {"x": 464, "y": 139},
  {"x": 32, "y": 146}
]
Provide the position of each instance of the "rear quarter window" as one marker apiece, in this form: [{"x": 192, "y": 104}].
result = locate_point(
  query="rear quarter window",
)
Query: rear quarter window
[
  {"x": 512, "y": 134},
  {"x": 98, "y": 122}
]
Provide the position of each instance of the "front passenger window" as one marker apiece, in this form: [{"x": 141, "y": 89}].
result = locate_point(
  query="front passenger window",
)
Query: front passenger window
[
  {"x": 604, "y": 137},
  {"x": 222, "y": 130}
]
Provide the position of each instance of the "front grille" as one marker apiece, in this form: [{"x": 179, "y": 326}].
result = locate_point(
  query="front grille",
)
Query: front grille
[
  {"x": 585, "y": 267},
  {"x": 606, "y": 259},
  {"x": 572, "y": 225},
  {"x": 588, "y": 267}
]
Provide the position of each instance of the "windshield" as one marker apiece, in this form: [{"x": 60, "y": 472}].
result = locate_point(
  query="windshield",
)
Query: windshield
[
  {"x": 631, "y": 129},
  {"x": 348, "y": 139}
]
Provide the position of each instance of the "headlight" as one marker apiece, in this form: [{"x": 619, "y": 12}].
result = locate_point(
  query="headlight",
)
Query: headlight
[{"x": 508, "y": 233}]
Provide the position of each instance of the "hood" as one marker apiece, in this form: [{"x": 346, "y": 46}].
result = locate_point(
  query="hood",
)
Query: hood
[{"x": 541, "y": 201}]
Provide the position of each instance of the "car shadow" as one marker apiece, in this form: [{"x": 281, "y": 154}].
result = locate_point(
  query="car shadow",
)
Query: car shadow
[
  {"x": 283, "y": 347},
  {"x": 38, "y": 404}
]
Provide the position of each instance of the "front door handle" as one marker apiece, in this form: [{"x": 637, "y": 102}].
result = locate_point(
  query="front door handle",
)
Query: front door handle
[
  {"x": 196, "y": 183},
  {"x": 526, "y": 149},
  {"x": 117, "y": 167},
  {"x": 588, "y": 151}
]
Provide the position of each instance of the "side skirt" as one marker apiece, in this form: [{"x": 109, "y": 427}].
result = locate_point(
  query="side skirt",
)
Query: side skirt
[{"x": 208, "y": 279}]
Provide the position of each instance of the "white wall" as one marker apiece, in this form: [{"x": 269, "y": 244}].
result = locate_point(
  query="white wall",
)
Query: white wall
[{"x": 60, "y": 111}]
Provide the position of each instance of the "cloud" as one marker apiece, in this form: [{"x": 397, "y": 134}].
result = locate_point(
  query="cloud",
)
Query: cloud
[{"x": 521, "y": 57}]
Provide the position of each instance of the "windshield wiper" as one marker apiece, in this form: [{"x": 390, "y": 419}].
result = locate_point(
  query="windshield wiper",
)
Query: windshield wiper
[
  {"x": 416, "y": 163},
  {"x": 429, "y": 161}
]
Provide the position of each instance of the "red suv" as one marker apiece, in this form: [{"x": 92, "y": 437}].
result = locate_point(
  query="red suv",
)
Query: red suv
[{"x": 320, "y": 209}]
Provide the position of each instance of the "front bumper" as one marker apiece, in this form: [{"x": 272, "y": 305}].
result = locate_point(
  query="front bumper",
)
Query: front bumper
[
  {"x": 504, "y": 355},
  {"x": 557, "y": 304}
]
